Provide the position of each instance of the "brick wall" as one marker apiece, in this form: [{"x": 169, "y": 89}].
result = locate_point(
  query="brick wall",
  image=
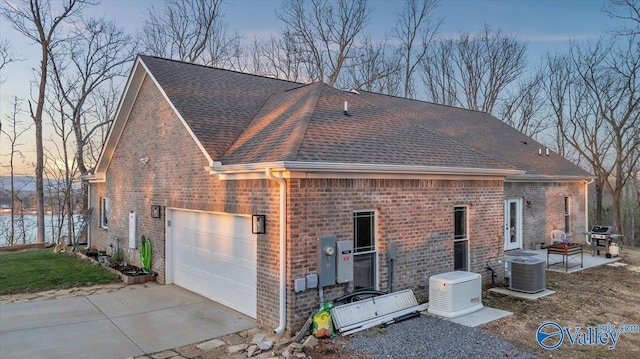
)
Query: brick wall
[
  {"x": 417, "y": 214},
  {"x": 547, "y": 209},
  {"x": 174, "y": 177}
]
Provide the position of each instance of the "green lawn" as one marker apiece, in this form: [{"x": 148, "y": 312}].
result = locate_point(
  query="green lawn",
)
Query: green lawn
[{"x": 40, "y": 269}]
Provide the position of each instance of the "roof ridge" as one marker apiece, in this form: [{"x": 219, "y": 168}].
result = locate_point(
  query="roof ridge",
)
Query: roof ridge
[
  {"x": 300, "y": 130},
  {"x": 423, "y": 101},
  {"x": 226, "y": 150},
  {"x": 218, "y": 68}
]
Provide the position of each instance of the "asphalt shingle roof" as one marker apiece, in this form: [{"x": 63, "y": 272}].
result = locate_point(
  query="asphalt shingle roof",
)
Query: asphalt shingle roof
[
  {"x": 216, "y": 104},
  {"x": 483, "y": 132},
  {"x": 243, "y": 118}
]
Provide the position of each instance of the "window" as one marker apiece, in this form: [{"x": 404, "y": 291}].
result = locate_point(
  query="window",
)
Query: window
[
  {"x": 364, "y": 248},
  {"x": 105, "y": 211},
  {"x": 567, "y": 214},
  {"x": 460, "y": 238}
]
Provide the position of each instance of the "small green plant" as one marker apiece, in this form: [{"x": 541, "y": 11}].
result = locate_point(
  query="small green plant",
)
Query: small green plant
[
  {"x": 145, "y": 254},
  {"x": 117, "y": 257}
]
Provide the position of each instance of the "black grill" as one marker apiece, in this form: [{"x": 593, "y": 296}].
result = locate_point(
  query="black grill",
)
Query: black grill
[
  {"x": 601, "y": 232},
  {"x": 601, "y": 236}
]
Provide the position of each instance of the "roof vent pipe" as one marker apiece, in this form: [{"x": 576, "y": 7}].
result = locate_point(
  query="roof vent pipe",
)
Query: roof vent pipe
[
  {"x": 547, "y": 152},
  {"x": 346, "y": 109},
  {"x": 539, "y": 151}
]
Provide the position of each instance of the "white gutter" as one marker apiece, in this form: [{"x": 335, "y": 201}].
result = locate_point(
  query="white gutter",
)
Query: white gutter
[
  {"x": 283, "y": 249},
  {"x": 218, "y": 167},
  {"x": 586, "y": 211},
  {"x": 546, "y": 178}
]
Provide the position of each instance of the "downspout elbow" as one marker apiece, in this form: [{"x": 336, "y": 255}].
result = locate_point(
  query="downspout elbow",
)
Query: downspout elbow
[{"x": 283, "y": 250}]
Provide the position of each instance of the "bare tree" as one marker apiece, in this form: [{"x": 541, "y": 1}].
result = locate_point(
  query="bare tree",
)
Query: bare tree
[
  {"x": 14, "y": 135},
  {"x": 416, "y": 31},
  {"x": 595, "y": 94},
  {"x": 577, "y": 124},
  {"x": 95, "y": 58},
  {"x": 524, "y": 107},
  {"x": 625, "y": 10},
  {"x": 6, "y": 57},
  {"x": 480, "y": 65},
  {"x": 324, "y": 33},
  {"x": 375, "y": 67},
  {"x": 103, "y": 104},
  {"x": 278, "y": 57},
  {"x": 57, "y": 168},
  {"x": 439, "y": 76},
  {"x": 40, "y": 22},
  {"x": 189, "y": 30}
]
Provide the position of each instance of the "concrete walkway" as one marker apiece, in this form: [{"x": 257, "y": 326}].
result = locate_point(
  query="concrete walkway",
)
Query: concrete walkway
[{"x": 119, "y": 324}]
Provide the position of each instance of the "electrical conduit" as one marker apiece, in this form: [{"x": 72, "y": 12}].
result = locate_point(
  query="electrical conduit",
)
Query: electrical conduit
[
  {"x": 586, "y": 211},
  {"x": 283, "y": 250}
]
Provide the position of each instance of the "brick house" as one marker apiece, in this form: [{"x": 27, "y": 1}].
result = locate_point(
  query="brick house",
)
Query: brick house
[{"x": 195, "y": 151}]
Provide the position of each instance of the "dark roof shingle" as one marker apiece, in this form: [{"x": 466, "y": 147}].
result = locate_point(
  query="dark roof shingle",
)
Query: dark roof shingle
[{"x": 242, "y": 118}]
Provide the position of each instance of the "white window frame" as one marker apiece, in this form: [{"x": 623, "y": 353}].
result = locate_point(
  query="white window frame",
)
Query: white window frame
[
  {"x": 567, "y": 214},
  {"x": 105, "y": 211},
  {"x": 373, "y": 251},
  {"x": 463, "y": 239}
]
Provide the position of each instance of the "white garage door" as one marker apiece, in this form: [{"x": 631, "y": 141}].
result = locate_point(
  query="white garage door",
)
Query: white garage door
[{"x": 214, "y": 255}]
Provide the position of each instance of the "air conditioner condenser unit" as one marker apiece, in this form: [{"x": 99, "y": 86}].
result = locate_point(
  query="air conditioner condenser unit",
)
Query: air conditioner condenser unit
[{"x": 527, "y": 275}]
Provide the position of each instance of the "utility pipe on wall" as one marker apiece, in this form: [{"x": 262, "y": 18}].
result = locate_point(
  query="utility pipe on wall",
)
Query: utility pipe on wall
[
  {"x": 88, "y": 230},
  {"x": 587, "y": 238},
  {"x": 283, "y": 250}
]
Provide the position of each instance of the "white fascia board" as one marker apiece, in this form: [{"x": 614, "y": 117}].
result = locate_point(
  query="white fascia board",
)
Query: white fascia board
[
  {"x": 548, "y": 178},
  {"x": 295, "y": 169},
  {"x": 175, "y": 110}
]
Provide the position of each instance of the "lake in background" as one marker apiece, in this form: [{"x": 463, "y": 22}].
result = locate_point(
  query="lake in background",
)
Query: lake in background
[{"x": 30, "y": 226}]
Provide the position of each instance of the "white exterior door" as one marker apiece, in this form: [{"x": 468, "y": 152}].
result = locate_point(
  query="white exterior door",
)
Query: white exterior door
[
  {"x": 512, "y": 224},
  {"x": 214, "y": 255}
]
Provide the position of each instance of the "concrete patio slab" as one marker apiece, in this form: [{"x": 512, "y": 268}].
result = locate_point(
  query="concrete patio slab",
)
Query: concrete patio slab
[
  {"x": 522, "y": 295},
  {"x": 589, "y": 261},
  {"x": 483, "y": 316},
  {"x": 129, "y": 302},
  {"x": 477, "y": 318},
  {"x": 51, "y": 312},
  {"x": 98, "y": 339},
  {"x": 178, "y": 326},
  {"x": 119, "y": 324}
]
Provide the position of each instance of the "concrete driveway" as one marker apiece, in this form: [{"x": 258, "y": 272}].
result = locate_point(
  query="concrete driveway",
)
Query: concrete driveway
[{"x": 119, "y": 324}]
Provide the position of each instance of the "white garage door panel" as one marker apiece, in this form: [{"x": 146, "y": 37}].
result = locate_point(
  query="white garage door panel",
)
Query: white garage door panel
[{"x": 215, "y": 255}]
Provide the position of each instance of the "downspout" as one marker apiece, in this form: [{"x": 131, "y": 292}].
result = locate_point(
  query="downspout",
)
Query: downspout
[
  {"x": 587, "y": 238},
  {"x": 89, "y": 208},
  {"x": 283, "y": 250}
]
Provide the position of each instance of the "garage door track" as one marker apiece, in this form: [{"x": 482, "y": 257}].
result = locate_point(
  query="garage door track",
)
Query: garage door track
[{"x": 119, "y": 324}]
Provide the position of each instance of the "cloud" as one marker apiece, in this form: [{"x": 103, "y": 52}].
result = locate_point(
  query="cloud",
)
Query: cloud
[{"x": 542, "y": 37}]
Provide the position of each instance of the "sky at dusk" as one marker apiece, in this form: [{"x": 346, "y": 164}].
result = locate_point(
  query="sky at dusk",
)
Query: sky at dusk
[{"x": 545, "y": 25}]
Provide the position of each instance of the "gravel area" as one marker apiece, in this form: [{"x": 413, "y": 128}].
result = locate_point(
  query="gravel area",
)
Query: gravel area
[{"x": 431, "y": 337}]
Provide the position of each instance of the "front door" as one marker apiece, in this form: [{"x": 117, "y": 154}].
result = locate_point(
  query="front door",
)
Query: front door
[{"x": 512, "y": 224}]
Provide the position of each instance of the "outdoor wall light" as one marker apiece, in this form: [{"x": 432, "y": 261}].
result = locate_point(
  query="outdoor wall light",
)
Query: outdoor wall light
[
  {"x": 528, "y": 203},
  {"x": 155, "y": 211},
  {"x": 258, "y": 224}
]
